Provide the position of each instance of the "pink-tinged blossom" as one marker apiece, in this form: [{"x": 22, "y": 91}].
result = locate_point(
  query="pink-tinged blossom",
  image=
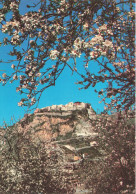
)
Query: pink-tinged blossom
[
  {"x": 29, "y": 96},
  {"x": 13, "y": 6},
  {"x": 32, "y": 42},
  {"x": 93, "y": 54},
  {"x": 77, "y": 43},
  {"x": 20, "y": 103},
  {"x": 109, "y": 32},
  {"x": 96, "y": 40},
  {"x": 15, "y": 77},
  {"x": 18, "y": 89},
  {"x": 86, "y": 45},
  {"x": 108, "y": 43},
  {"x": 12, "y": 66},
  {"x": 38, "y": 74},
  {"x": 15, "y": 39},
  {"x": 75, "y": 53},
  {"x": 4, "y": 75},
  {"x": 103, "y": 28},
  {"x": 4, "y": 28},
  {"x": 131, "y": 13},
  {"x": 21, "y": 77},
  {"x": 85, "y": 26}
]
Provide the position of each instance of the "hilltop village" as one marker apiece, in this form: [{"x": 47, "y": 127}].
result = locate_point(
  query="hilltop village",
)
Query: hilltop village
[
  {"x": 66, "y": 110},
  {"x": 68, "y": 107}
]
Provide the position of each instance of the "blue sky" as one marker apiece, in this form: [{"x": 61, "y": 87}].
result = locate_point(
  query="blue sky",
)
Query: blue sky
[{"x": 65, "y": 91}]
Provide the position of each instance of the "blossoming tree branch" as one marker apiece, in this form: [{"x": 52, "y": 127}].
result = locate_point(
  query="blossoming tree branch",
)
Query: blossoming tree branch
[{"x": 53, "y": 33}]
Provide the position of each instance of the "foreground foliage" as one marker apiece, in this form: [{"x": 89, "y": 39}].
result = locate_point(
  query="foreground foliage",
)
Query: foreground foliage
[
  {"x": 27, "y": 167},
  {"x": 115, "y": 173},
  {"x": 49, "y": 36}
]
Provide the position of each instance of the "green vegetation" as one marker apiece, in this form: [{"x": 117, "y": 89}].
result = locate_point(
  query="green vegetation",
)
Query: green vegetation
[{"x": 65, "y": 137}]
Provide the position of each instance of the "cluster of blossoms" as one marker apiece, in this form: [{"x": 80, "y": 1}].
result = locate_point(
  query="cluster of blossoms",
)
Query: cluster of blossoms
[
  {"x": 62, "y": 32},
  {"x": 63, "y": 7},
  {"x": 54, "y": 54},
  {"x": 56, "y": 28},
  {"x": 86, "y": 12},
  {"x": 9, "y": 26},
  {"x": 13, "y": 6},
  {"x": 131, "y": 13},
  {"x": 76, "y": 51},
  {"x": 104, "y": 29},
  {"x": 31, "y": 21},
  {"x": 77, "y": 44},
  {"x": 99, "y": 46},
  {"x": 15, "y": 39},
  {"x": 1, "y": 17}
]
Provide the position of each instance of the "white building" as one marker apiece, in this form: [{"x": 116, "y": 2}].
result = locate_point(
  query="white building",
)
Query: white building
[
  {"x": 53, "y": 107},
  {"x": 80, "y": 106},
  {"x": 48, "y": 108},
  {"x": 64, "y": 108}
]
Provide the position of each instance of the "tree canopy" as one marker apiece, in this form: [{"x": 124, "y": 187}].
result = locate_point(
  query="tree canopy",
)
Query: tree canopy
[{"x": 51, "y": 35}]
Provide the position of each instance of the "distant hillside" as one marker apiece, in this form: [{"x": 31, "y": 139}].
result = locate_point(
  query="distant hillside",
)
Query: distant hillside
[
  {"x": 54, "y": 122},
  {"x": 72, "y": 145}
]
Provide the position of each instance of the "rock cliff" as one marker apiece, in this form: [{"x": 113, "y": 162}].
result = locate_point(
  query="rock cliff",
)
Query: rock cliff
[
  {"x": 62, "y": 140},
  {"x": 57, "y": 121},
  {"x": 64, "y": 130}
]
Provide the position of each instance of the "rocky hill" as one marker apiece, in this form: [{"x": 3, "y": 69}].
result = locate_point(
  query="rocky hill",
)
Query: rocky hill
[
  {"x": 66, "y": 136},
  {"x": 58, "y": 121},
  {"x": 67, "y": 128}
]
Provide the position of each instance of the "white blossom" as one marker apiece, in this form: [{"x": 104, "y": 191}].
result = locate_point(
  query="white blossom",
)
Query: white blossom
[
  {"x": 103, "y": 52},
  {"x": 85, "y": 26},
  {"x": 1, "y": 17},
  {"x": 86, "y": 45},
  {"x": 33, "y": 100},
  {"x": 38, "y": 74},
  {"x": 15, "y": 77},
  {"x": 15, "y": 39},
  {"x": 108, "y": 43},
  {"x": 75, "y": 53},
  {"x": 93, "y": 54},
  {"x": 54, "y": 54},
  {"x": 62, "y": 2},
  {"x": 97, "y": 39},
  {"x": 20, "y": 103},
  {"x": 13, "y": 5},
  {"x": 103, "y": 27},
  {"x": 12, "y": 66},
  {"x": 117, "y": 9},
  {"x": 77, "y": 43},
  {"x": 21, "y": 77}
]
